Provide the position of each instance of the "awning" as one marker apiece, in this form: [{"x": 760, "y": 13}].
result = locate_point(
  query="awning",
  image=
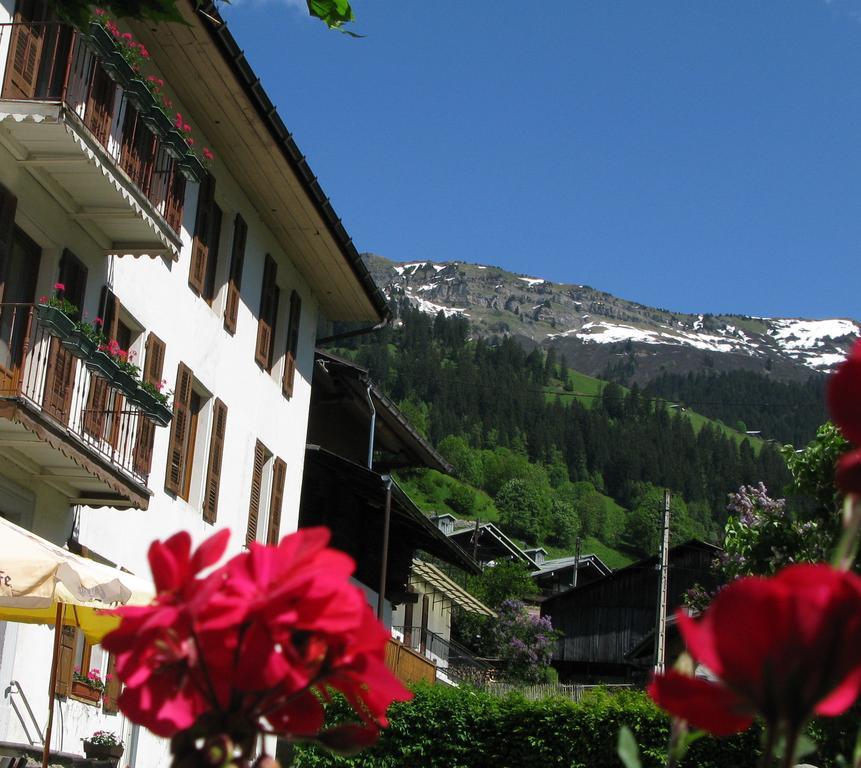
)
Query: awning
[
  {"x": 451, "y": 590},
  {"x": 36, "y": 575}
]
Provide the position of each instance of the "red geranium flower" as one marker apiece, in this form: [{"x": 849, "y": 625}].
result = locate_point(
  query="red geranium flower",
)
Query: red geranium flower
[
  {"x": 844, "y": 395},
  {"x": 848, "y": 472},
  {"x": 784, "y": 648},
  {"x": 259, "y": 639}
]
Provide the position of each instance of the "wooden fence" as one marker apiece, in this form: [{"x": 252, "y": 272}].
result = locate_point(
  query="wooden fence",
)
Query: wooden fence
[
  {"x": 409, "y": 666},
  {"x": 544, "y": 690}
]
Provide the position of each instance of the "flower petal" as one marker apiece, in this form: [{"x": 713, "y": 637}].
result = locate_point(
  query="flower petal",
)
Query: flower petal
[
  {"x": 844, "y": 401},
  {"x": 710, "y": 706}
]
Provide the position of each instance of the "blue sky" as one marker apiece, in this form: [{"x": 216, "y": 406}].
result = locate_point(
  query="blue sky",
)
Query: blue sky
[{"x": 698, "y": 156}]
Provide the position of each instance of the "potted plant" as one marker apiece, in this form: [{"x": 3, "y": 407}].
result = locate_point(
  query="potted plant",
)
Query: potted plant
[
  {"x": 56, "y": 314},
  {"x": 103, "y": 745},
  {"x": 156, "y": 119},
  {"x": 101, "y": 363},
  {"x": 159, "y": 408},
  {"x": 139, "y": 94},
  {"x": 191, "y": 166},
  {"x": 88, "y": 687}
]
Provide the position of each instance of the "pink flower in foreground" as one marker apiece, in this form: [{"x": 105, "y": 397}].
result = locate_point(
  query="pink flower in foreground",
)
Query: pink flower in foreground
[
  {"x": 783, "y": 648},
  {"x": 258, "y": 639}
]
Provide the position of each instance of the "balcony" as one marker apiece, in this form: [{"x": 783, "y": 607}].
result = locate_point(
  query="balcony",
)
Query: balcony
[
  {"x": 453, "y": 662},
  {"x": 78, "y": 133},
  {"x": 65, "y": 426}
]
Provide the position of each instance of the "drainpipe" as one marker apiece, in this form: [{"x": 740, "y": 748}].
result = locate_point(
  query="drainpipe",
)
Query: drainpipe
[
  {"x": 356, "y": 332},
  {"x": 373, "y": 428},
  {"x": 384, "y": 564}
]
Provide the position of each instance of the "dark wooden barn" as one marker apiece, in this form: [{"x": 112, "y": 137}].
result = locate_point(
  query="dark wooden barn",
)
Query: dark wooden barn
[{"x": 607, "y": 622}]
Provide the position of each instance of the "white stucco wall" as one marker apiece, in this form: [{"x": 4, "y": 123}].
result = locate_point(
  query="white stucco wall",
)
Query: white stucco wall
[{"x": 154, "y": 293}]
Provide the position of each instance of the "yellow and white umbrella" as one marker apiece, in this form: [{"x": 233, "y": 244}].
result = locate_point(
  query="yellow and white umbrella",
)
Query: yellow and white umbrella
[{"x": 41, "y": 583}]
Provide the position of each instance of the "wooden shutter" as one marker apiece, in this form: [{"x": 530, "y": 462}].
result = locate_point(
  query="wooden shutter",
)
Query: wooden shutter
[
  {"x": 292, "y": 344},
  {"x": 175, "y": 201},
  {"x": 234, "y": 281},
  {"x": 154, "y": 363},
  {"x": 279, "y": 474},
  {"x": 256, "y": 488},
  {"x": 268, "y": 313},
  {"x": 58, "y": 381},
  {"x": 109, "y": 312},
  {"x": 145, "y": 438},
  {"x": 174, "y": 478},
  {"x": 73, "y": 275},
  {"x": 8, "y": 204},
  {"x": 202, "y": 235},
  {"x": 97, "y": 405},
  {"x": 113, "y": 687},
  {"x": 65, "y": 661},
  {"x": 28, "y": 40},
  {"x": 99, "y": 111},
  {"x": 213, "y": 470}
]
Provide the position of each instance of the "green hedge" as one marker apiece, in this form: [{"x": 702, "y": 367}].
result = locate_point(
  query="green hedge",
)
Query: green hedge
[{"x": 460, "y": 728}]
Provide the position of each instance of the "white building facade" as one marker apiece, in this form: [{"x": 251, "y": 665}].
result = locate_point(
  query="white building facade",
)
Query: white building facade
[{"x": 217, "y": 280}]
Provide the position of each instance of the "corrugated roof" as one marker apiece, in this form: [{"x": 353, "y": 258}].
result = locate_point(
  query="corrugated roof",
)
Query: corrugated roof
[{"x": 450, "y": 589}]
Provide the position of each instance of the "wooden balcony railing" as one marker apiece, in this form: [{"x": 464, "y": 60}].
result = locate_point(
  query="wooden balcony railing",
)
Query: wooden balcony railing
[
  {"x": 50, "y": 61},
  {"x": 54, "y": 385}
]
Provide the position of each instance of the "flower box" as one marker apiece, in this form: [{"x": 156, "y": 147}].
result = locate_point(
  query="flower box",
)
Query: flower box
[
  {"x": 78, "y": 344},
  {"x": 102, "y": 365},
  {"x": 175, "y": 144},
  {"x": 118, "y": 69},
  {"x": 192, "y": 168},
  {"x": 139, "y": 94},
  {"x": 87, "y": 693},
  {"x": 156, "y": 119},
  {"x": 100, "y": 40},
  {"x": 102, "y": 751},
  {"x": 126, "y": 383},
  {"x": 161, "y": 414},
  {"x": 55, "y": 321}
]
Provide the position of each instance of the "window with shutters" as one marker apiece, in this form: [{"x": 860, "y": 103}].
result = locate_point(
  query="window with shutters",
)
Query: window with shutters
[
  {"x": 196, "y": 446},
  {"x": 234, "y": 278},
  {"x": 292, "y": 344},
  {"x": 204, "y": 248},
  {"x": 268, "y": 315},
  {"x": 268, "y": 477},
  {"x": 77, "y": 654}
]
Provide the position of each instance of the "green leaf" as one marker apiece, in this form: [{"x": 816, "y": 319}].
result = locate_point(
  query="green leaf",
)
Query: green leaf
[
  {"x": 333, "y": 13},
  {"x": 627, "y": 749}
]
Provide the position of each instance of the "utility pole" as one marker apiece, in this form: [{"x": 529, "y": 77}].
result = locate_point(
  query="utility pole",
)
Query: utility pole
[
  {"x": 661, "y": 623},
  {"x": 576, "y": 559}
]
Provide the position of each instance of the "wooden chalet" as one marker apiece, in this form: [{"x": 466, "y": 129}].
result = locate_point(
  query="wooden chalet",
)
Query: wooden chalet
[
  {"x": 356, "y": 437},
  {"x": 606, "y": 623}
]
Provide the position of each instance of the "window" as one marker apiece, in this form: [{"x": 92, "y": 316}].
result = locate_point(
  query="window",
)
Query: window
[
  {"x": 292, "y": 344},
  {"x": 193, "y": 462},
  {"x": 268, "y": 474},
  {"x": 268, "y": 315},
  {"x": 77, "y": 653},
  {"x": 234, "y": 279},
  {"x": 204, "y": 248}
]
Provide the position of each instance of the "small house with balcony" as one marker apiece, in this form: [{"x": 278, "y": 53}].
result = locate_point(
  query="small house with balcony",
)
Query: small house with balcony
[
  {"x": 167, "y": 259},
  {"x": 357, "y": 437}
]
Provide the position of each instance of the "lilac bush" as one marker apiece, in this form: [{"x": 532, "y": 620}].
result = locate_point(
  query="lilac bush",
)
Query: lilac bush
[{"x": 524, "y": 642}]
